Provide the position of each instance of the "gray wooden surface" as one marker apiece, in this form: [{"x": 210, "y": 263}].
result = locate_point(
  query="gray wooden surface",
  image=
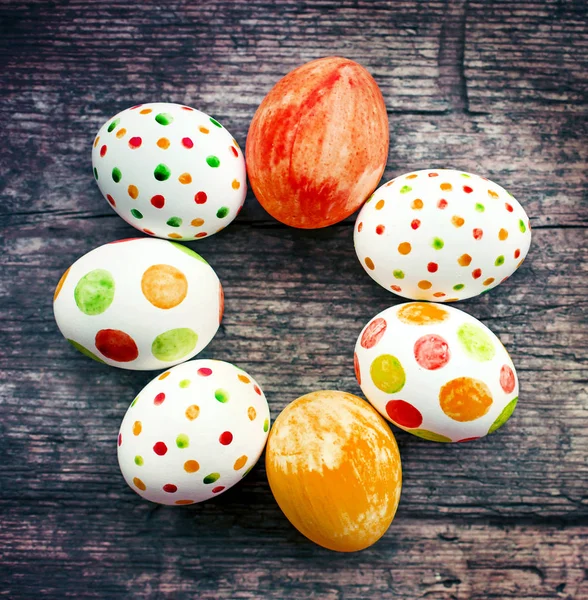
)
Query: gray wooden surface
[{"x": 496, "y": 88}]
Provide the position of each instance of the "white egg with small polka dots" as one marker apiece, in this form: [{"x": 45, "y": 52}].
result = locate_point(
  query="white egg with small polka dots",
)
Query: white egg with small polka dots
[
  {"x": 193, "y": 432},
  {"x": 170, "y": 171},
  {"x": 441, "y": 235}
]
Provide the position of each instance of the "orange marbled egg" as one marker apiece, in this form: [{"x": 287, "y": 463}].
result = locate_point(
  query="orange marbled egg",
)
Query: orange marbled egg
[
  {"x": 334, "y": 469},
  {"x": 318, "y": 143}
]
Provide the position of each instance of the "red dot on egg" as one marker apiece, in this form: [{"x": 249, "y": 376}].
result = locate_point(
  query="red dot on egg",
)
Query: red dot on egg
[
  {"x": 170, "y": 488},
  {"x": 470, "y": 439},
  {"x": 415, "y": 224},
  {"x": 103, "y": 150},
  {"x": 396, "y": 288},
  {"x": 158, "y": 400},
  {"x": 257, "y": 390},
  {"x": 120, "y": 439},
  {"x": 467, "y": 189},
  {"x": 477, "y": 273},
  {"x": 225, "y": 438},
  {"x": 234, "y": 151},
  {"x": 186, "y": 108},
  {"x": 442, "y": 204},
  {"x": 187, "y": 143},
  {"x": 404, "y": 414},
  {"x": 477, "y": 233},
  {"x": 158, "y": 201},
  {"x": 508, "y": 207},
  {"x": 517, "y": 253},
  {"x": 204, "y": 372},
  {"x": 432, "y": 267},
  {"x": 110, "y": 199},
  {"x": 160, "y": 449},
  {"x": 135, "y": 142},
  {"x": 200, "y": 198},
  {"x": 380, "y": 229},
  {"x": 217, "y": 489}
]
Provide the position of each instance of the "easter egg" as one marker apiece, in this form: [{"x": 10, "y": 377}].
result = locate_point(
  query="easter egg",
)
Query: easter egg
[
  {"x": 436, "y": 372},
  {"x": 169, "y": 170},
  {"x": 334, "y": 469},
  {"x": 193, "y": 432},
  {"x": 441, "y": 235},
  {"x": 318, "y": 143},
  {"x": 139, "y": 304}
]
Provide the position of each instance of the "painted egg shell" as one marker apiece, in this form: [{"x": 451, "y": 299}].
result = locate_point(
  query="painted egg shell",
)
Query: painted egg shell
[
  {"x": 139, "y": 304},
  {"x": 334, "y": 469},
  {"x": 441, "y": 235},
  {"x": 436, "y": 372},
  {"x": 170, "y": 170},
  {"x": 318, "y": 143},
  {"x": 193, "y": 432}
]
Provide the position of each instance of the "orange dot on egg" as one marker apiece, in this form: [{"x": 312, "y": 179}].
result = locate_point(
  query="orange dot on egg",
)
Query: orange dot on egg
[
  {"x": 417, "y": 204},
  {"x": 164, "y": 375},
  {"x": 489, "y": 281},
  {"x": 412, "y": 176},
  {"x": 446, "y": 187},
  {"x": 133, "y": 191},
  {"x": 137, "y": 428},
  {"x": 251, "y": 413},
  {"x": 439, "y": 294},
  {"x": 465, "y": 399},
  {"x": 203, "y": 130},
  {"x": 197, "y": 222},
  {"x": 236, "y": 185},
  {"x": 502, "y": 235},
  {"x": 139, "y": 484},
  {"x": 163, "y": 143},
  {"x": 184, "y": 502},
  {"x": 464, "y": 260},
  {"x": 145, "y": 111},
  {"x": 96, "y": 141},
  {"x": 369, "y": 263},
  {"x": 425, "y": 285},
  {"x": 174, "y": 236},
  {"x": 244, "y": 378},
  {"x": 421, "y": 313},
  {"x": 457, "y": 221},
  {"x": 380, "y": 205},
  {"x": 240, "y": 462},
  {"x": 185, "y": 178},
  {"x": 121, "y": 132},
  {"x": 492, "y": 194},
  {"x": 404, "y": 248},
  {"x": 191, "y": 466}
]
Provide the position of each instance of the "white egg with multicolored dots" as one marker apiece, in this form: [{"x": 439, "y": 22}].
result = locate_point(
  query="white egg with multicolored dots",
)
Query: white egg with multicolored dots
[
  {"x": 436, "y": 372},
  {"x": 193, "y": 432},
  {"x": 170, "y": 170},
  {"x": 139, "y": 304},
  {"x": 441, "y": 235}
]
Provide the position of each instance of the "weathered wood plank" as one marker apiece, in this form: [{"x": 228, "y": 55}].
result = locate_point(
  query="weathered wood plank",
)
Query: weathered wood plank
[
  {"x": 527, "y": 56},
  {"x": 129, "y": 550}
]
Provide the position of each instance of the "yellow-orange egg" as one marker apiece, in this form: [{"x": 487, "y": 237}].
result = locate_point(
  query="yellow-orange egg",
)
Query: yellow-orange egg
[{"x": 334, "y": 469}]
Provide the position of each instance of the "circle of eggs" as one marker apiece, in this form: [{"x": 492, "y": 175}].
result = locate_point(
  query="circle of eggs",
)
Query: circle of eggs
[
  {"x": 441, "y": 235},
  {"x": 169, "y": 170},
  {"x": 436, "y": 372},
  {"x": 193, "y": 432},
  {"x": 139, "y": 304}
]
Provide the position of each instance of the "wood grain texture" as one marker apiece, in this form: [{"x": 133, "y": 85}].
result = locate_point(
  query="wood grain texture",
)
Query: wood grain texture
[{"x": 495, "y": 88}]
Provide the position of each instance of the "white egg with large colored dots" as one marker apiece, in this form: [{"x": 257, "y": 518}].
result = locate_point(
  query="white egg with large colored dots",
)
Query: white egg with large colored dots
[
  {"x": 193, "y": 432},
  {"x": 139, "y": 304},
  {"x": 170, "y": 170},
  {"x": 436, "y": 372},
  {"x": 441, "y": 235}
]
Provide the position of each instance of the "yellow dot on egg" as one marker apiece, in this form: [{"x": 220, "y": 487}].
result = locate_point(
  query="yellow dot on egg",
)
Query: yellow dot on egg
[
  {"x": 96, "y": 141},
  {"x": 251, "y": 413},
  {"x": 121, "y": 132},
  {"x": 164, "y": 375},
  {"x": 192, "y": 412}
]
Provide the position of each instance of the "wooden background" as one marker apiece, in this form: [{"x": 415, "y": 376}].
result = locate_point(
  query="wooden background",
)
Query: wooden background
[{"x": 498, "y": 88}]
